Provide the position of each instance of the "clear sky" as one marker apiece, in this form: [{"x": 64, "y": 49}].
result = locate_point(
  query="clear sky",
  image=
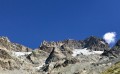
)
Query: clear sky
[{"x": 29, "y": 22}]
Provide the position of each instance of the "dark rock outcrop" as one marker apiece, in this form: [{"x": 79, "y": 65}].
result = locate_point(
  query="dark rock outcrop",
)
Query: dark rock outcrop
[
  {"x": 118, "y": 43},
  {"x": 51, "y": 57},
  {"x": 114, "y": 51},
  {"x": 4, "y": 54},
  {"x": 95, "y": 43},
  {"x": 55, "y": 55}
]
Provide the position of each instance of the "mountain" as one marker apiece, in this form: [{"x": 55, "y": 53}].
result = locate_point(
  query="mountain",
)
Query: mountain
[{"x": 90, "y": 56}]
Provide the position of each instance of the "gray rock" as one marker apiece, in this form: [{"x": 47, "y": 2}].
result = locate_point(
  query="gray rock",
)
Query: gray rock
[{"x": 95, "y": 43}]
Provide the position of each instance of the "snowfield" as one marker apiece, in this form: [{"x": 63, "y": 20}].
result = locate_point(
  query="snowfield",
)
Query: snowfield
[
  {"x": 17, "y": 54},
  {"x": 102, "y": 42},
  {"x": 85, "y": 52}
]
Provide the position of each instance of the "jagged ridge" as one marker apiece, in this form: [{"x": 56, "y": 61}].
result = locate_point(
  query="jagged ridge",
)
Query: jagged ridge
[{"x": 56, "y": 57}]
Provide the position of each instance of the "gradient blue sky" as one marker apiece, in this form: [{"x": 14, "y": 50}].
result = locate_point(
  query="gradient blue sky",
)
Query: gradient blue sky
[{"x": 29, "y": 22}]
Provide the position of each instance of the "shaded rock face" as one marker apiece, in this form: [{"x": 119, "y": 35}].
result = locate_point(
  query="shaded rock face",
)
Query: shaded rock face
[
  {"x": 114, "y": 51},
  {"x": 118, "y": 43},
  {"x": 96, "y": 44},
  {"x": 46, "y": 49},
  {"x": 55, "y": 55},
  {"x": 51, "y": 57},
  {"x": 37, "y": 57}
]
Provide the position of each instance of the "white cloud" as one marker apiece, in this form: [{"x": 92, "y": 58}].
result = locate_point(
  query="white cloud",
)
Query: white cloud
[{"x": 110, "y": 37}]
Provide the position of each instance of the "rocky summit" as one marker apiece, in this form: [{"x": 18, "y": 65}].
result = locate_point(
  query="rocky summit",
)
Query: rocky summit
[{"x": 90, "y": 56}]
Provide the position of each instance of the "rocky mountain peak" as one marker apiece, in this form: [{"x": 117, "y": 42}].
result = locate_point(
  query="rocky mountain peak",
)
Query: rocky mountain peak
[
  {"x": 91, "y": 42},
  {"x": 5, "y": 42},
  {"x": 96, "y": 43},
  {"x": 51, "y": 44},
  {"x": 4, "y": 39},
  {"x": 73, "y": 44}
]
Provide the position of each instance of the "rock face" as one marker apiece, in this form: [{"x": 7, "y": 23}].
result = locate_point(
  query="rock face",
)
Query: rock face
[
  {"x": 114, "y": 51},
  {"x": 7, "y": 61},
  {"x": 57, "y": 57},
  {"x": 95, "y": 43},
  {"x": 73, "y": 44}
]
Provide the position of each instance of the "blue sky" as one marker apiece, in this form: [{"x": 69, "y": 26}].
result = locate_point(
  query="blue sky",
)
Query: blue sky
[{"x": 29, "y": 22}]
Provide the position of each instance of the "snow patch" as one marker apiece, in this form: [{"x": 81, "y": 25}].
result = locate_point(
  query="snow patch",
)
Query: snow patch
[
  {"x": 102, "y": 42},
  {"x": 85, "y": 52},
  {"x": 17, "y": 54},
  {"x": 97, "y": 52}
]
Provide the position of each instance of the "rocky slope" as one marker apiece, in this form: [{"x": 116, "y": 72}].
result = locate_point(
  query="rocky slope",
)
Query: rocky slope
[
  {"x": 115, "y": 69},
  {"x": 90, "y": 56}
]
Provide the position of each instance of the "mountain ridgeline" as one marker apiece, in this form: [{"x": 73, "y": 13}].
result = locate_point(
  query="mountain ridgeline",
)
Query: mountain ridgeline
[{"x": 89, "y": 56}]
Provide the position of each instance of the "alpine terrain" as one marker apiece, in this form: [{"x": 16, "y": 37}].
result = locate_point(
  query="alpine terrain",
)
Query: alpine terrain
[{"x": 89, "y": 56}]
